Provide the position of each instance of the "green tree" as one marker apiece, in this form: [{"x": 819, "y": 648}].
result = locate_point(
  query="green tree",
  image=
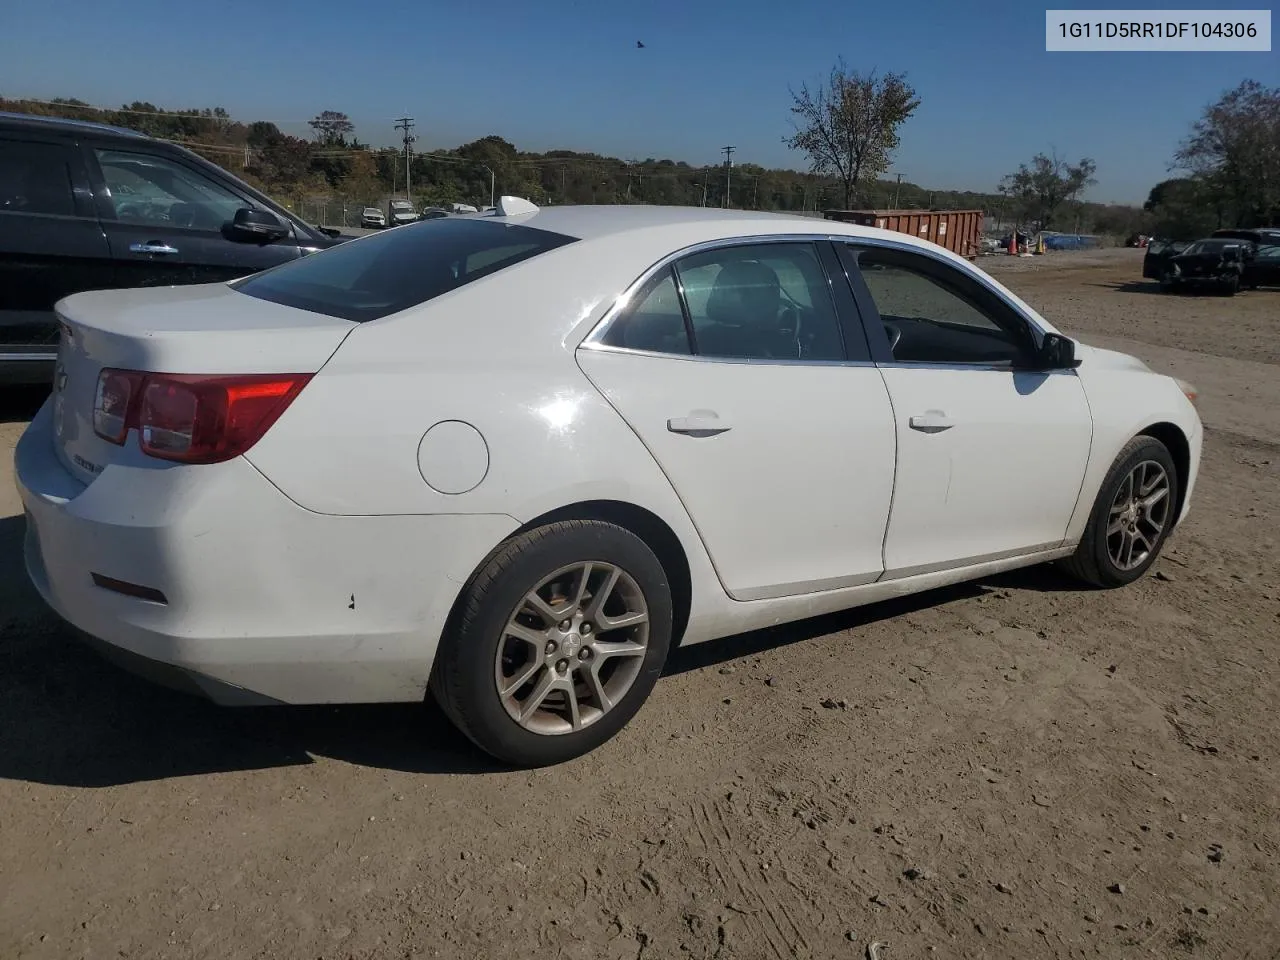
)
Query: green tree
[
  {"x": 1234, "y": 149},
  {"x": 1041, "y": 189},
  {"x": 848, "y": 125}
]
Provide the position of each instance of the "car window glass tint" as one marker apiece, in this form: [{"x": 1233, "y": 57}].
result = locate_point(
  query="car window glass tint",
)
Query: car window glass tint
[
  {"x": 393, "y": 270},
  {"x": 761, "y": 302},
  {"x": 932, "y": 314},
  {"x": 655, "y": 323},
  {"x": 154, "y": 191},
  {"x": 34, "y": 178}
]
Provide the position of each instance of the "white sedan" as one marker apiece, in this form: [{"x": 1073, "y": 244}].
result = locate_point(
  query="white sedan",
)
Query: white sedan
[{"x": 516, "y": 457}]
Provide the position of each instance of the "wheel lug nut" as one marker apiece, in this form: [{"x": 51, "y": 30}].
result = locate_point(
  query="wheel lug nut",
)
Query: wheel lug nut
[
  {"x": 551, "y": 646},
  {"x": 584, "y": 653},
  {"x": 585, "y": 629},
  {"x": 565, "y": 625},
  {"x": 562, "y": 666}
]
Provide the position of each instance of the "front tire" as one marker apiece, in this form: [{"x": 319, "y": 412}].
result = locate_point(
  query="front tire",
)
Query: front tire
[
  {"x": 557, "y": 642},
  {"x": 1132, "y": 517}
]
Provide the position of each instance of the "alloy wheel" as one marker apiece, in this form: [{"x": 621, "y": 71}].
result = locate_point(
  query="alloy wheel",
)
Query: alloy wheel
[
  {"x": 572, "y": 648},
  {"x": 1139, "y": 514}
]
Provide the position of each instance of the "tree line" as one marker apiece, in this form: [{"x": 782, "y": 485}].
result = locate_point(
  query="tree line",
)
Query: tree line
[{"x": 847, "y": 126}]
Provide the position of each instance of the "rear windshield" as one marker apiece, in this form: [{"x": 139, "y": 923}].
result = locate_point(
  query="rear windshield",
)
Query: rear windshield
[{"x": 389, "y": 272}]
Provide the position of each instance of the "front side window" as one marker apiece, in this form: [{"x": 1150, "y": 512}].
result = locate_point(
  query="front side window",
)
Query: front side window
[
  {"x": 934, "y": 314},
  {"x": 153, "y": 191},
  {"x": 376, "y": 276},
  {"x": 34, "y": 178}
]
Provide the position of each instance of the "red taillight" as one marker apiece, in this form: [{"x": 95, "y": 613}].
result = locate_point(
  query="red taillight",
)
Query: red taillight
[{"x": 192, "y": 418}]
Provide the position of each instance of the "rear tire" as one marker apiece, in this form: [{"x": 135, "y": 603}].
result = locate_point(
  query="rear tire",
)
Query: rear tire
[
  {"x": 1132, "y": 516},
  {"x": 557, "y": 642}
]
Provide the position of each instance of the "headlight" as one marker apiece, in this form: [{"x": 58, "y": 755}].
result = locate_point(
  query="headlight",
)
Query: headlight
[{"x": 1187, "y": 389}]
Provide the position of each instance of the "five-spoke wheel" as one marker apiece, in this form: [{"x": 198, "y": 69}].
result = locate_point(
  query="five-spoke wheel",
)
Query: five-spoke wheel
[
  {"x": 1133, "y": 514},
  {"x": 556, "y": 643},
  {"x": 572, "y": 648}
]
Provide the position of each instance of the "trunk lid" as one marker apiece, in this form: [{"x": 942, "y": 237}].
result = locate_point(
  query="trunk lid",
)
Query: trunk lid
[{"x": 203, "y": 329}]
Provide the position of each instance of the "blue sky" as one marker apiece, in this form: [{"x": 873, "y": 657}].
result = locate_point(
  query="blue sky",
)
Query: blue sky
[{"x": 566, "y": 73}]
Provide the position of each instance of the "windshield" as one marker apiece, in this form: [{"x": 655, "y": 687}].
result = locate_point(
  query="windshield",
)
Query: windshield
[
  {"x": 388, "y": 272},
  {"x": 1210, "y": 246}
]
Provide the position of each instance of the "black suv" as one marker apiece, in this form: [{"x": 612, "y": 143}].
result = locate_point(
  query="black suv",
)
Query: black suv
[{"x": 86, "y": 206}]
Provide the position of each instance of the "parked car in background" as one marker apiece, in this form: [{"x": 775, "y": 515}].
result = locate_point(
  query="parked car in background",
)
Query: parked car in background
[
  {"x": 1216, "y": 262},
  {"x": 433, "y": 213},
  {"x": 304, "y": 487},
  {"x": 1158, "y": 254},
  {"x": 371, "y": 218},
  {"x": 400, "y": 212},
  {"x": 1260, "y": 236},
  {"x": 85, "y": 206}
]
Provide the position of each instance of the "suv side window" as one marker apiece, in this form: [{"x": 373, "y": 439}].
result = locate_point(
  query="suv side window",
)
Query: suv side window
[
  {"x": 151, "y": 190},
  {"x": 766, "y": 301},
  {"x": 933, "y": 313},
  {"x": 35, "y": 178}
]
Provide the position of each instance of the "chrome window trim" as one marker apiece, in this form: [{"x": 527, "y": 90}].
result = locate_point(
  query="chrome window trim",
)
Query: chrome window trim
[
  {"x": 28, "y": 357},
  {"x": 749, "y": 361},
  {"x": 592, "y": 341}
]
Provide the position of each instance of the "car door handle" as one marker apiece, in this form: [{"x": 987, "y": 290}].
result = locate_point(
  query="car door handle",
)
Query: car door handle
[
  {"x": 698, "y": 425},
  {"x": 152, "y": 247},
  {"x": 934, "y": 421}
]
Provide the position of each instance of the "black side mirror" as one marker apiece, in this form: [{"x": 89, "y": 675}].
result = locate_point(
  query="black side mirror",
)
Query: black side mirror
[
  {"x": 251, "y": 225},
  {"x": 1057, "y": 353}
]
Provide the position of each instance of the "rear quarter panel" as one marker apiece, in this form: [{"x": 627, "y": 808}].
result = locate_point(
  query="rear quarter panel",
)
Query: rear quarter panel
[{"x": 498, "y": 355}]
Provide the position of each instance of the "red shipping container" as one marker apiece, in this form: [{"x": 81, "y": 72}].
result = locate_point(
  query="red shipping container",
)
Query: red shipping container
[{"x": 960, "y": 231}]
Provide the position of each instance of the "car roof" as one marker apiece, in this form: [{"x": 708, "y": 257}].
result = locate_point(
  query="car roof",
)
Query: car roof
[
  {"x": 31, "y": 121},
  {"x": 596, "y": 222}
]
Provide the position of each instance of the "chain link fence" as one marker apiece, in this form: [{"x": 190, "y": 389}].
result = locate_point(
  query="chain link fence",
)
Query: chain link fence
[{"x": 334, "y": 211}]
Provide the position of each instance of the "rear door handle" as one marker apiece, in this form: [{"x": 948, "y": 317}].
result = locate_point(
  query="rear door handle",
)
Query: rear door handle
[
  {"x": 698, "y": 425},
  {"x": 934, "y": 421},
  {"x": 152, "y": 247}
]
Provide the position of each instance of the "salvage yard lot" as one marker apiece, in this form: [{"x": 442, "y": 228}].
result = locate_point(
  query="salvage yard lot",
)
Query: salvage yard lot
[{"x": 1015, "y": 768}]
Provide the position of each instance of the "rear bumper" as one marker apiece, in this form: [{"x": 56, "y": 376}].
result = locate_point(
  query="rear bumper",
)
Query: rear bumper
[{"x": 263, "y": 601}]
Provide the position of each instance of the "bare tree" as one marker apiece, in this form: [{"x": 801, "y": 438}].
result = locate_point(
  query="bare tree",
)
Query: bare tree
[
  {"x": 849, "y": 125},
  {"x": 1234, "y": 151},
  {"x": 1041, "y": 188}
]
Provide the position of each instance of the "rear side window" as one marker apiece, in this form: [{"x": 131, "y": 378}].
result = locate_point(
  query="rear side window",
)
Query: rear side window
[
  {"x": 384, "y": 274},
  {"x": 34, "y": 179}
]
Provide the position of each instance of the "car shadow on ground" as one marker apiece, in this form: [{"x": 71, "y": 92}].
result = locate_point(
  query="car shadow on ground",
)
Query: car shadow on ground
[
  {"x": 20, "y": 404},
  {"x": 70, "y": 718},
  {"x": 1132, "y": 286}
]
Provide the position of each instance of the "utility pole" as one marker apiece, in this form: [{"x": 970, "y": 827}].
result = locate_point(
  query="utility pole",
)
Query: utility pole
[
  {"x": 897, "y": 197},
  {"x": 728, "y": 173},
  {"x": 705, "y": 176},
  {"x": 406, "y": 124}
]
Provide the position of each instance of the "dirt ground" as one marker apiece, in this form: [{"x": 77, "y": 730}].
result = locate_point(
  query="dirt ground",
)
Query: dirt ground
[{"x": 1011, "y": 769}]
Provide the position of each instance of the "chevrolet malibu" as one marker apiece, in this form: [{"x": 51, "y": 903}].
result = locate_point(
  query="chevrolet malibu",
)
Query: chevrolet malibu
[{"x": 514, "y": 458}]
